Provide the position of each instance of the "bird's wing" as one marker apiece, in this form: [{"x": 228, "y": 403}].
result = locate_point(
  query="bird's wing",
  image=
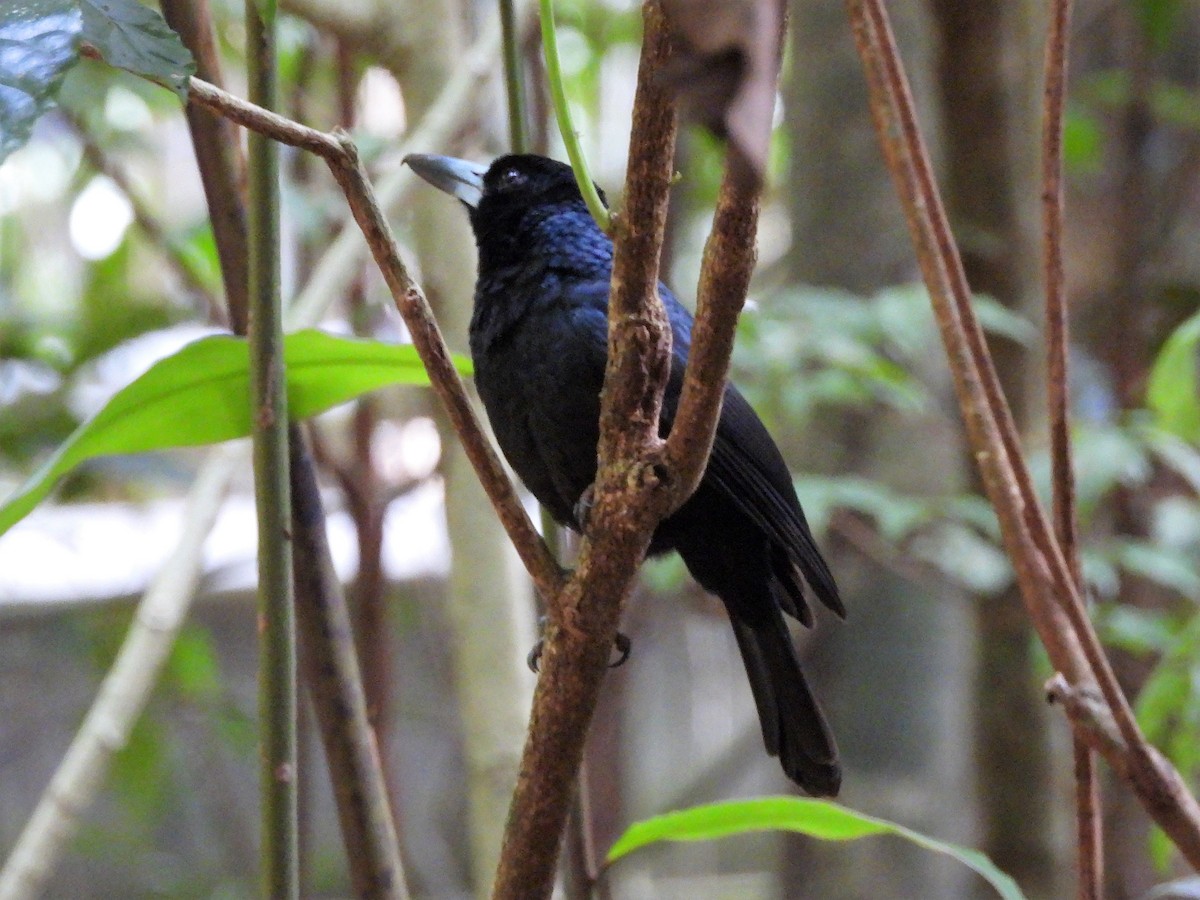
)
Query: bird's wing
[{"x": 747, "y": 466}]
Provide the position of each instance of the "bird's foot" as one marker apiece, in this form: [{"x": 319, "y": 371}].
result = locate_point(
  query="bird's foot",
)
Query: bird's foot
[{"x": 621, "y": 643}]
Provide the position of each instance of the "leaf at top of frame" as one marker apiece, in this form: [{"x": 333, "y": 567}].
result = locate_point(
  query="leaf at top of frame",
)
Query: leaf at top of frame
[
  {"x": 39, "y": 41},
  {"x": 136, "y": 38}
]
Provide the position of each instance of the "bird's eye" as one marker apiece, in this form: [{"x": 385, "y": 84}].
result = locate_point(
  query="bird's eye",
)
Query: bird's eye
[{"x": 511, "y": 177}]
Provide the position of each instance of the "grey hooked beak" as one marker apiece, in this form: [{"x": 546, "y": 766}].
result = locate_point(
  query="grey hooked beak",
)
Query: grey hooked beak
[{"x": 457, "y": 177}]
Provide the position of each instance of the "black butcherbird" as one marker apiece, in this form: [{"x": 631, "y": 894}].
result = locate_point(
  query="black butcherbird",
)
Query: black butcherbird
[{"x": 538, "y": 339}]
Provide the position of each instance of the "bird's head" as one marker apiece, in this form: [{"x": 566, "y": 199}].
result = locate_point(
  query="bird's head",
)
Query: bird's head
[{"x": 499, "y": 196}]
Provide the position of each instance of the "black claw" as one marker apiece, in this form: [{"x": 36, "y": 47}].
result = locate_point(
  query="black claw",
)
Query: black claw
[
  {"x": 534, "y": 659},
  {"x": 623, "y": 645}
]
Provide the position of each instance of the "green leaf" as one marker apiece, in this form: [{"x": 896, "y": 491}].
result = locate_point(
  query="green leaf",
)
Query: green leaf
[
  {"x": 1174, "y": 389},
  {"x": 1137, "y": 631},
  {"x": 1083, "y": 142},
  {"x": 1169, "y": 692},
  {"x": 266, "y": 10},
  {"x": 38, "y": 44},
  {"x": 815, "y": 818},
  {"x": 1159, "y": 19},
  {"x": 200, "y": 395},
  {"x": 1171, "y": 567},
  {"x": 135, "y": 38},
  {"x": 193, "y": 664}
]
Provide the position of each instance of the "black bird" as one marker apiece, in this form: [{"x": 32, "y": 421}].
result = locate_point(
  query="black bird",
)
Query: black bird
[{"x": 538, "y": 339}]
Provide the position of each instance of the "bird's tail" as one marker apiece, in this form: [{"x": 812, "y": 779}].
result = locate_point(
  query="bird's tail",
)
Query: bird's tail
[{"x": 794, "y": 729}]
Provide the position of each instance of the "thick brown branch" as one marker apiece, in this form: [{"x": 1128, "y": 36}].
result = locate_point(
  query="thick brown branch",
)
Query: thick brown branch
[
  {"x": 639, "y": 336},
  {"x": 629, "y": 499},
  {"x": 729, "y": 257}
]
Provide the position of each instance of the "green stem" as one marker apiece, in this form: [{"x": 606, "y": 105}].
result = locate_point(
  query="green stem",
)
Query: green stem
[
  {"x": 562, "y": 114},
  {"x": 514, "y": 80},
  {"x": 277, "y": 646}
]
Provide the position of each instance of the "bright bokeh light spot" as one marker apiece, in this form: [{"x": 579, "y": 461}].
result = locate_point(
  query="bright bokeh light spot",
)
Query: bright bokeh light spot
[
  {"x": 37, "y": 173},
  {"x": 408, "y": 450},
  {"x": 99, "y": 218},
  {"x": 126, "y": 111},
  {"x": 574, "y": 51},
  {"x": 380, "y": 104}
]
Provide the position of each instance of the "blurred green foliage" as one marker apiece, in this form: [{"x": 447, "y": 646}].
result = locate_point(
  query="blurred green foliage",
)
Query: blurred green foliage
[{"x": 802, "y": 351}]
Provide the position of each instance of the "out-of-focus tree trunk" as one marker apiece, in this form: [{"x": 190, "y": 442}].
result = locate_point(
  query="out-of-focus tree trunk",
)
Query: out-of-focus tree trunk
[
  {"x": 490, "y": 607},
  {"x": 989, "y": 137},
  {"x": 895, "y": 678}
]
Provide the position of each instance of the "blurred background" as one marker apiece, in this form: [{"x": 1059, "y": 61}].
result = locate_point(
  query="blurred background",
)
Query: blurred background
[{"x": 932, "y": 685}]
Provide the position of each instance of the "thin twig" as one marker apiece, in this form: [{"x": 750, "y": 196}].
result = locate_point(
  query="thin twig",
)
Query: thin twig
[
  {"x": 566, "y": 127},
  {"x": 1088, "y": 822},
  {"x": 1050, "y": 594}
]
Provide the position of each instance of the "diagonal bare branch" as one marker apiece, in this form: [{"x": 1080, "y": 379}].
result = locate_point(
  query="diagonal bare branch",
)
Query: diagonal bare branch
[{"x": 1047, "y": 587}]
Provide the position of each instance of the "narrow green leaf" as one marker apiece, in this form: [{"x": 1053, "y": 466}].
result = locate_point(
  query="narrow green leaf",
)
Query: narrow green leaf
[
  {"x": 134, "y": 37},
  {"x": 38, "y": 44},
  {"x": 1174, "y": 390},
  {"x": 815, "y": 818},
  {"x": 200, "y": 395}
]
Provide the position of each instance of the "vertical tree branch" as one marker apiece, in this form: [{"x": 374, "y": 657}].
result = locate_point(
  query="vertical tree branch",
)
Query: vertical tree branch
[
  {"x": 332, "y": 673},
  {"x": 628, "y": 500},
  {"x": 639, "y": 336},
  {"x": 277, "y": 647},
  {"x": 729, "y": 257},
  {"x": 514, "y": 79},
  {"x": 218, "y": 154},
  {"x": 1047, "y": 587},
  {"x": 1088, "y": 821}
]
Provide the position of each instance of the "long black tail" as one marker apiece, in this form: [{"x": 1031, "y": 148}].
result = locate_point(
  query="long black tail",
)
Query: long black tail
[{"x": 793, "y": 727}]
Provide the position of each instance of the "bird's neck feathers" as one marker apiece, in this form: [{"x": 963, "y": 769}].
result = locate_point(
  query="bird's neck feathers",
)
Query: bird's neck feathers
[
  {"x": 560, "y": 237},
  {"x": 528, "y": 258}
]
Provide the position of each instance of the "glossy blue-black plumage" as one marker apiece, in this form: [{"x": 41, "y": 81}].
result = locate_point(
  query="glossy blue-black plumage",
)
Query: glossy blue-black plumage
[{"x": 538, "y": 339}]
